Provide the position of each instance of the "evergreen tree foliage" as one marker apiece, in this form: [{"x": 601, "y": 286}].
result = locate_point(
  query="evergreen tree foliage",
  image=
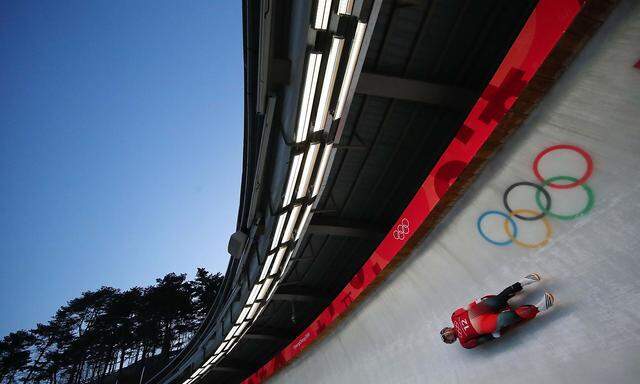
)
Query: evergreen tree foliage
[{"x": 97, "y": 335}]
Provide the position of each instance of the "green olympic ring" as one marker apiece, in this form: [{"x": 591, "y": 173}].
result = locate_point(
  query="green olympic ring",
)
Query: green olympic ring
[{"x": 584, "y": 211}]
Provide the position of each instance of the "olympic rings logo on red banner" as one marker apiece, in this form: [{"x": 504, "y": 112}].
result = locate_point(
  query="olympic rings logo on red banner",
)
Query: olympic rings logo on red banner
[
  {"x": 542, "y": 200},
  {"x": 402, "y": 230}
]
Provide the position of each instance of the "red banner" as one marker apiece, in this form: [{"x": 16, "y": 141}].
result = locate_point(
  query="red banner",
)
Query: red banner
[{"x": 548, "y": 21}]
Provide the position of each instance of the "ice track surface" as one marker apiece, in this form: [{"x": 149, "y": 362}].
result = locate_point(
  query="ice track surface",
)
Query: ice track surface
[{"x": 591, "y": 264}]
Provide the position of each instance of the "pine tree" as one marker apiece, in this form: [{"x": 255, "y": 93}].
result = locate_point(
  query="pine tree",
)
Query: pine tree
[
  {"x": 14, "y": 354},
  {"x": 102, "y": 332}
]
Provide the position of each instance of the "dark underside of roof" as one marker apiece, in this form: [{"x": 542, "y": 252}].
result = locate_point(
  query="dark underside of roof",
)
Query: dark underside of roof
[{"x": 387, "y": 148}]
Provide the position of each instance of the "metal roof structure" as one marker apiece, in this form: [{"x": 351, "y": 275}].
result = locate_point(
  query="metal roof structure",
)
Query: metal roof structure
[{"x": 322, "y": 184}]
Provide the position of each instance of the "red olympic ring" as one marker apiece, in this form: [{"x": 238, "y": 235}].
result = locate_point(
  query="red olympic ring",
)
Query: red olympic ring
[{"x": 574, "y": 148}]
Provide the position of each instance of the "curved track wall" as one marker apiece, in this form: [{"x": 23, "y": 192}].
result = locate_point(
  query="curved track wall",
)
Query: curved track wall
[{"x": 591, "y": 263}]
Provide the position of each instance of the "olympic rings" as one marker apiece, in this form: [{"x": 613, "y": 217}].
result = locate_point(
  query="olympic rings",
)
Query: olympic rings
[
  {"x": 510, "y": 227},
  {"x": 507, "y": 218},
  {"x": 582, "y": 152},
  {"x": 584, "y": 211},
  {"x": 505, "y": 200},
  {"x": 401, "y": 230}
]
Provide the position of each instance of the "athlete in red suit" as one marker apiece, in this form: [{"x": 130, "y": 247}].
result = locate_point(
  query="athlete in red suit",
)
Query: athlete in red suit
[{"x": 485, "y": 319}]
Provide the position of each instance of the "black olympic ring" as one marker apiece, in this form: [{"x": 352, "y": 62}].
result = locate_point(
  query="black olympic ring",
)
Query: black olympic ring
[{"x": 505, "y": 200}]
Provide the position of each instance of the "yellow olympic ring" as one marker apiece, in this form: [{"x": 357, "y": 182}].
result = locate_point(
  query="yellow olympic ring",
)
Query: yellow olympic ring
[{"x": 547, "y": 225}]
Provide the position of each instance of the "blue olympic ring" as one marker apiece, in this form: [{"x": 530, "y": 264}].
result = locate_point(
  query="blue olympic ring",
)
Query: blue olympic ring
[{"x": 507, "y": 217}]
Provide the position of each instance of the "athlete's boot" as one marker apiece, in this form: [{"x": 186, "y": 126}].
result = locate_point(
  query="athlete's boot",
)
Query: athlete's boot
[
  {"x": 547, "y": 302},
  {"x": 530, "y": 279}
]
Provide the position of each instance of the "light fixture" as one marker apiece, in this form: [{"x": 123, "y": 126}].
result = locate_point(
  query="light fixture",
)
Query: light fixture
[
  {"x": 354, "y": 52},
  {"x": 321, "y": 168},
  {"x": 253, "y": 294},
  {"x": 262, "y": 308},
  {"x": 327, "y": 82},
  {"x": 232, "y": 332},
  {"x": 323, "y": 9},
  {"x": 265, "y": 288},
  {"x": 231, "y": 344},
  {"x": 278, "y": 260},
  {"x": 221, "y": 347},
  {"x": 279, "y": 226},
  {"x": 345, "y": 7},
  {"x": 218, "y": 358},
  {"x": 288, "y": 220},
  {"x": 309, "y": 162},
  {"x": 242, "y": 327},
  {"x": 293, "y": 177},
  {"x": 295, "y": 211},
  {"x": 253, "y": 310},
  {"x": 308, "y": 93},
  {"x": 305, "y": 215},
  {"x": 265, "y": 267},
  {"x": 243, "y": 314}
]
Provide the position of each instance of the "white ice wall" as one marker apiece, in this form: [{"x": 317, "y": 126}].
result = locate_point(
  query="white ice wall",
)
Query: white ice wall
[{"x": 592, "y": 264}]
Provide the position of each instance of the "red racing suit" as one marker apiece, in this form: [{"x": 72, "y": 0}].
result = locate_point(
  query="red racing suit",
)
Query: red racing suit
[{"x": 483, "y": 320}]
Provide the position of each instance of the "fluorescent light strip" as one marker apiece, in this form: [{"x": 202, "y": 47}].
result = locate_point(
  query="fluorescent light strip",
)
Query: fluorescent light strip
[
  {"x": 253, "y": 294},
  {"x": 322, "y": 14},
  {"x": 260, "y": 311},
  {"x": 327, "y": 83},
  {"x": 345, "y": 7},
  {"x": 236, "y": 331},
  {"x": 221, "y": 347},
  {"x": 243, "y": 315},
  {"x": 232, "y": 332},
  {"x": 323, "y": 165},
  {"x": 253, "y": 310},
  {"x": 354, "y": 52},
  {"x": 308, "y": 94},
  {"x": 211, "y": 360},
  {"x": 245, "y": 329},
  {"x": 293, "y": 177},
  {"x": 206, "y": 368},
  {"x": 307, "y": 170},
  {"x": 242, "y": 327},
  {"x": 279, "y": 226},
  {"x": 276, "y": 264},
  {"x": 305, "y": 215},
  {"x": 231, "y": 345},
  {"x": 218, "y": 358},
  {"x": 265, "y": 288},
  {"x": 295, "y": 211},
  {"x": 265, "y": 267}
]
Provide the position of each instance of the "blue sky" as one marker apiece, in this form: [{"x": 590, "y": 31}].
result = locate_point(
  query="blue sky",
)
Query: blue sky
[{"x": 121, "y": 145}]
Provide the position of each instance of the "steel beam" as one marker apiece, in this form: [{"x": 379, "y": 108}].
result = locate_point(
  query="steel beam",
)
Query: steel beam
[
  {"x": 268, "y": 334},
  {"x": 298, "y": 293},
  {"x": 235, "y": 366},
  {"x": 447, "y": 96},
  {"x": 341, "y": 227}
]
